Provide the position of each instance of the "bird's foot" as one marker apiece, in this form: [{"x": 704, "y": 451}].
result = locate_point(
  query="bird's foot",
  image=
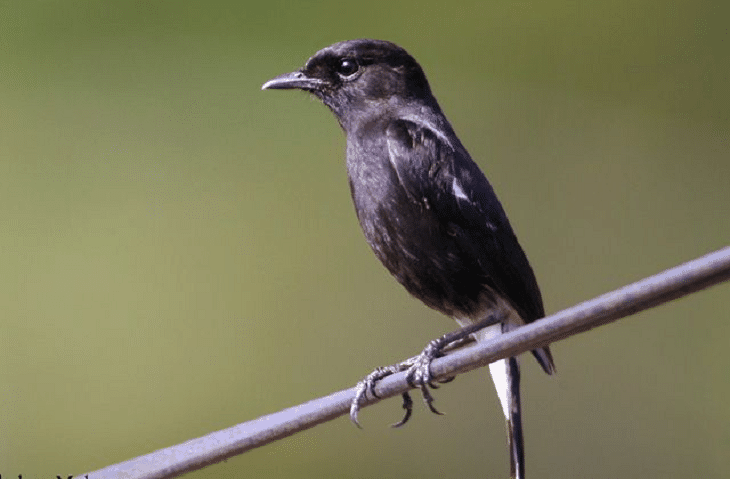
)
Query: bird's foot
[
  {"x": 367, "y": 386},
  {"x": 418, "y": 372}
]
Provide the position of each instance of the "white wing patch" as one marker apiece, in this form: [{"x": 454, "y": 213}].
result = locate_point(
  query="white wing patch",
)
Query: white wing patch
[
  {"x": 418, "y": 120},
  {"x": 458, "y": 190}
]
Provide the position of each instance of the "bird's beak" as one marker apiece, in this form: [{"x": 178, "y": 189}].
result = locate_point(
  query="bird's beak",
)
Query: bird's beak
[{"x": 291, "y": 80}]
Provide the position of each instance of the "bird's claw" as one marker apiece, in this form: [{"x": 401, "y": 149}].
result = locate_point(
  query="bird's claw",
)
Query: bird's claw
[
  {"x": 357, "y": 402},
  {"x": 408, "y": 406},
  {"x": 418, "y": 376},
  {"x": 419, "y": 371},
  {"x": 367, "y": 385}
]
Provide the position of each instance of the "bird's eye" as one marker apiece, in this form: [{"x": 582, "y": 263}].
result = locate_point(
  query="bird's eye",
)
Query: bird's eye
[{"x": 347, "y": 67}]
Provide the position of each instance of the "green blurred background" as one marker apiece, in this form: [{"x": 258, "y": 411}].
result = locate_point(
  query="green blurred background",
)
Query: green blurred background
[{"x": 179, "y": 254}]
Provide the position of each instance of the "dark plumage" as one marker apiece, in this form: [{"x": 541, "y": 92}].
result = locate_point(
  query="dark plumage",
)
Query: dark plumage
[{"x": 427, "y": 210}]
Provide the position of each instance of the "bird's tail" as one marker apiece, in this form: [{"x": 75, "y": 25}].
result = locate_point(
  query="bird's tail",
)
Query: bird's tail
[
  {"x": 515, "y": 440},
  {"x": 506, "y": 376}
]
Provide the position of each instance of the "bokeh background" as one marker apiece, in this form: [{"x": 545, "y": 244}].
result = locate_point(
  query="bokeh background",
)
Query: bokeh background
[{"x": 178, "y": 251}]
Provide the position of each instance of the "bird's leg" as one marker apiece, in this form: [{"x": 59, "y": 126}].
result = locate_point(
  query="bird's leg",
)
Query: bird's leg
[{"x": 419, "y": 370}]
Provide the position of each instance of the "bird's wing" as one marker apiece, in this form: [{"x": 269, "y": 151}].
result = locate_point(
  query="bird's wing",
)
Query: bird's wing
[{"x": 440, "y": 172}]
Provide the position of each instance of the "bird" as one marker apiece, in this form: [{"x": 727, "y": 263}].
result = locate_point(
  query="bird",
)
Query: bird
[{"x": 427, "y": 211}]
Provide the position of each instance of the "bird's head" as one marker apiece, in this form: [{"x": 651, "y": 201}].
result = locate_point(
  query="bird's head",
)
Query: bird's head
[{"x": 358, "y": 77}]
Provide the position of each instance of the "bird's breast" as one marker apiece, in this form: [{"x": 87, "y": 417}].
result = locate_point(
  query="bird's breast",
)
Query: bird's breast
[{"x": 420, "y": 248}]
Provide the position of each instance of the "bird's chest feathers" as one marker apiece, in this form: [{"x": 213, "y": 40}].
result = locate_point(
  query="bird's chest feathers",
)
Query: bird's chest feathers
[
  {"x": 378, "y": 189},
  {"x": 395, "y": 209}
]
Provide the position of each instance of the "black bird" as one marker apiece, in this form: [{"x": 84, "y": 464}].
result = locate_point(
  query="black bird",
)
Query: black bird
[{"x": 427, "y": 210}]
